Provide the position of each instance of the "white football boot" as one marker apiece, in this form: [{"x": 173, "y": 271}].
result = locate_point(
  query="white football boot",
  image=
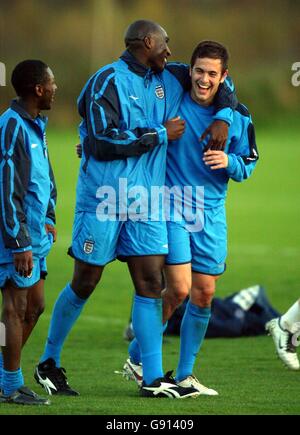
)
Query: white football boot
[
  {"x": 285, "y": 348},
  {"x": 133, "y": 372},
  {"x": 192, "y": 381}
]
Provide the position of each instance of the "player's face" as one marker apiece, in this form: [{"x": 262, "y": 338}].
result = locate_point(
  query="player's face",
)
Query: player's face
[
  {"x": 206, "y": 76},
  {"x": 159, "y": 51},
  {"x": 47, "y": 91}
]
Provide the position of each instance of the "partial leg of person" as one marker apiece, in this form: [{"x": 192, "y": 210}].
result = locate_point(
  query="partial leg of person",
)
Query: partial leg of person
[
  {"x": 285, "y": 331},
  {"x": 35, "y": 307},
  {"x": 291, "y": 318},
  {"x": 181, "y": 284},
  {"x": 14, "y": 302},
  {"x": 93, "y": 246},
  {"x": 133, "y": 369},
  {"x": 68, "y": 307},
  {"x": 13, "y": 316},
  {"x": 146, "y": 273},
  {"x": 145, "y": 244},
  {"x": 193, "y": 329},
  {"x": 208, "y": 250},
  {"x": 66, "y": 311},
  {"x": 132, "y": 366}
]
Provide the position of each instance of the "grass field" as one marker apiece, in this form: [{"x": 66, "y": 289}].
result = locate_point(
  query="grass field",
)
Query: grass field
[{"x": 264, "y": 247}]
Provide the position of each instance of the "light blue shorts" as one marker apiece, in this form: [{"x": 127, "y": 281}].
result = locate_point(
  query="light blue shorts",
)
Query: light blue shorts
[
  {"x": 206, "y": 250},
  {"x": 9, "y": 273},
  {"x": 99, "y": 243}
]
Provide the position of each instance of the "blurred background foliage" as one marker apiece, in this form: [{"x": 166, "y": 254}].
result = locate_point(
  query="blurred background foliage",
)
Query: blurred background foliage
[{"x": 77, "y": 37}]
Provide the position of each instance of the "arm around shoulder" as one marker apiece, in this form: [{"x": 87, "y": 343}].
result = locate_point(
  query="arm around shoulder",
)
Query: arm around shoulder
[{"x": 243, "y": 153}]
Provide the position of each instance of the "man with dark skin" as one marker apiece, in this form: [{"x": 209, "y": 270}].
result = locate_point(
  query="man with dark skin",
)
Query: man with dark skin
[
  {"x": 27, "y": 199},
  {"x": 129, "y": 111}
]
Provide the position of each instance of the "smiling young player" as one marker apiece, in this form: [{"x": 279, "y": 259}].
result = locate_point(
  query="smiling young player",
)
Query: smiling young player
[{"x": 196, "y": 259}]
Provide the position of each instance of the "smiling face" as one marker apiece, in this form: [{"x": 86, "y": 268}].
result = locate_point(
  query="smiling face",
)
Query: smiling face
[
  {"x": 158, "y": 50},
  {"x": 206, "y": 76},
  {"x": 46, "y": 91}
]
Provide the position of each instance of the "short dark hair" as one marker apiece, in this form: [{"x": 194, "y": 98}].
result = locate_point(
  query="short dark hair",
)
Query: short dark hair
[
  {"x": 212, "y": 50},
  {"x": 26, "y": 75}
]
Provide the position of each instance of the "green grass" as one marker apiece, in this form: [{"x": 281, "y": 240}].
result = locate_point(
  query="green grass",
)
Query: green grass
[{"x": 264, "y": 247}]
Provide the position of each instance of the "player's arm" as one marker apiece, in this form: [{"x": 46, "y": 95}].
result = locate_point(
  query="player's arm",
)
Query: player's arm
[
  {"x": 243, "y": 153},
  {"x": 175, "y": 128},
  {"x": 182, "y": 73},
  {"x": 14, "y": 179},
  {"x": 242, "y": 156},
  {"x": 225, "y": 103},
  {"x": 50, "y": 216},
  {"x": 107, "y": 139}
]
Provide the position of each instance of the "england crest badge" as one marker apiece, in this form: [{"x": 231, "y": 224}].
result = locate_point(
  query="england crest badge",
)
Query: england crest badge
[
  {"x": 159, "y": 92},
  {"x": 88, "y": 246}
]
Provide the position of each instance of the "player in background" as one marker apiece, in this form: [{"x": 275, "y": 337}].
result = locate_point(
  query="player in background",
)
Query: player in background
[
  {"x": 128, "y": 111},
  {"x": 27, "y": 231},
  {"x": 285, "y": 332},
  {"x": 197, "y": 253}
]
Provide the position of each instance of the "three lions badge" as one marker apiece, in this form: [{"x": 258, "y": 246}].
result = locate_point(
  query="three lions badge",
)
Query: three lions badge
[
  {"x": 88, "y": 246},
  {"x": 159, "y": 92}
]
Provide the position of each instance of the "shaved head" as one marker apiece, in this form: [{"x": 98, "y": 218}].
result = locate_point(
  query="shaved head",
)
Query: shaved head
[
  {"x": 138, "y": 30},
  {"x": 148, "y": 42}
]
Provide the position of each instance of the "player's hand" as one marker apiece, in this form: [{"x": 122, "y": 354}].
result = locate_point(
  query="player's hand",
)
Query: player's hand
[
  {"x": 79, "y": 150},
  {"x": 218, "y": 132},
  {"x": 23, "y": 262},
  {"x": 216, "y": 159},
  {"x": 175, "y": 128},
  {"x": 51, "y": 229}
]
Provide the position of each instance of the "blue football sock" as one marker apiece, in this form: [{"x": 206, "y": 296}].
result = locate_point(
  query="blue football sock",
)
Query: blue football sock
[
  {"x": 66, "y": 311},
  {"x": 134, "y": 348},
  {"x": 1, "y": 369},
  {"x": 147, "y": 326},
  {"x": 192, "y": 332},
  {"x": 12, "y": 381}
]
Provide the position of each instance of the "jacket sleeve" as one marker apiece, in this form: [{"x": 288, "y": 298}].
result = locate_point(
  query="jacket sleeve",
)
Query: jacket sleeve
[
  {"x": 182, "y": 73},
  {"x": 243, "y": 154},
  {"x": 107, "y": 140},
  {"x": 225, "y": 101},
  {"x": 50, "y": 216},
  {"x": 14, "y": 179}
]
